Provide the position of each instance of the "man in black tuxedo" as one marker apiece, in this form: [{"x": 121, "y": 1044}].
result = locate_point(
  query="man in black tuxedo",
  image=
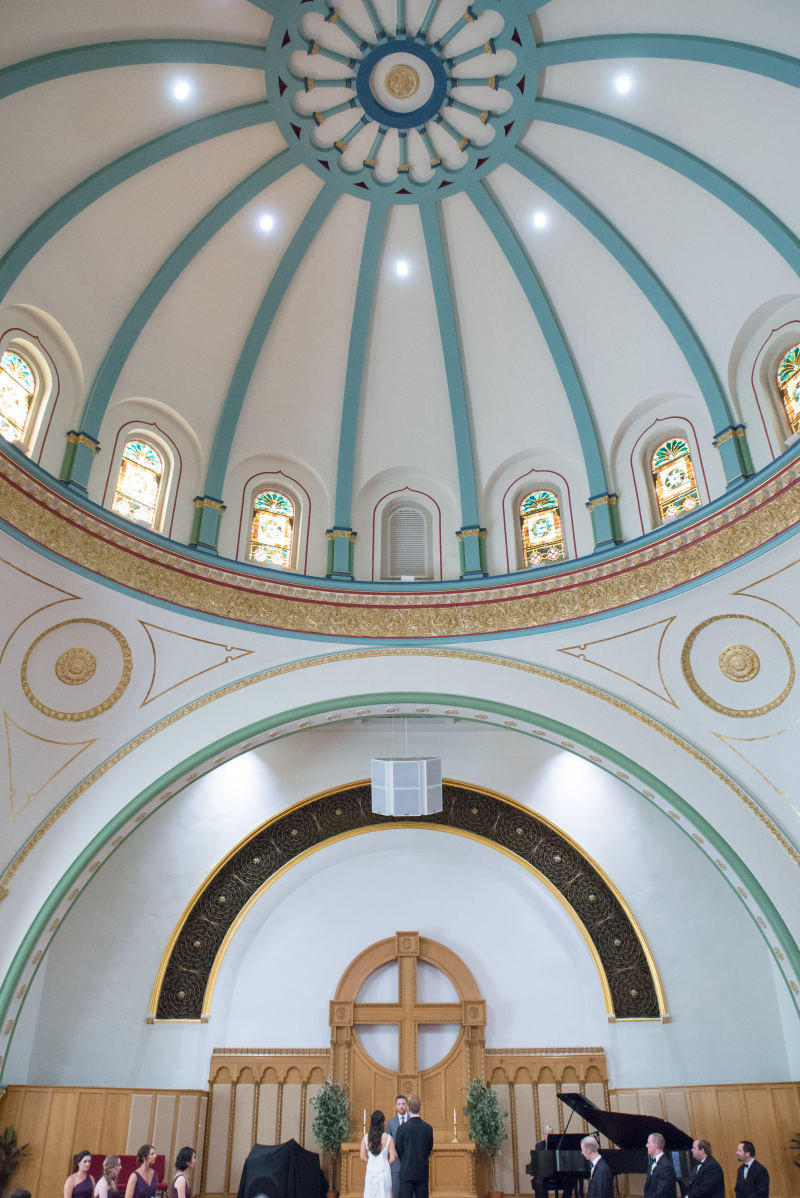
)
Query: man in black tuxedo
[
  {"x": 601, "y": 1181},
  {"x": 708, "y": 1180},
  {"x": 660, "y": 1180},
  {"x": 752, "y": 1179},
  {"x": 414, "y": 1145}
]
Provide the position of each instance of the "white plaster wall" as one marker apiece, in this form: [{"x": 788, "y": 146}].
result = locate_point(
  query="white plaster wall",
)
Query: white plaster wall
[{"x": 528, "y": 957}]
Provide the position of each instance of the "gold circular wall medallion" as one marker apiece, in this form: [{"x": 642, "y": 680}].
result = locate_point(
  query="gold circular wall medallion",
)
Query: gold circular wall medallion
[
  {"x": 402, "y": 81},
  {"x": 740, "y": 663},
  {"x": 75, "y": 666}
]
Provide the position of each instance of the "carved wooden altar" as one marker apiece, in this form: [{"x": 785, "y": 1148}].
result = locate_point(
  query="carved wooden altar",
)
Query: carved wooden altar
[
  {"x": 452, "y": 1173},
  {"x": 442, "y": 1088}
]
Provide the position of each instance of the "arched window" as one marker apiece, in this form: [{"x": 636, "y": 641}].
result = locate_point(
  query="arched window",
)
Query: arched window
[
  {"x": 789, "y": 386},
  {"x": 17, "y": 393},
  {"x": 674, "y": 482},
  {"x": 542, "y": 536},
  {"x": 406, "y": 529},
  {"x": 139, "y": 483},
  {"x": 272, "y": 530}
]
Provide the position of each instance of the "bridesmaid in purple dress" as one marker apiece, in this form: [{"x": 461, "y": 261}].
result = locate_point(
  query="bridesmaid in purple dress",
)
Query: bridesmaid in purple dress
[
  {"x": 80, "y": 1184},
  {"x": 184, "y": 1161},
  {"x": 143, "y": 1181}
]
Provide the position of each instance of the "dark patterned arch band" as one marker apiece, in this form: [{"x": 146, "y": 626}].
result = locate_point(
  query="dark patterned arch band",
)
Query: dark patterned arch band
[{"x": 631, "y": 983}]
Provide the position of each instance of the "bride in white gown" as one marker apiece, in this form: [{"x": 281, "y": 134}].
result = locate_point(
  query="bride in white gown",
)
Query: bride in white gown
[{"x": 377, "y": 1149}]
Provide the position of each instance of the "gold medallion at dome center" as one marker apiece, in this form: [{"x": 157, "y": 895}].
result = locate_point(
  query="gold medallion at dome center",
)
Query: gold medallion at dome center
[
  {"x": 75, "y": 666},
  {"x": 740, "y": 663},
  {"x": 401, "y": 81}
]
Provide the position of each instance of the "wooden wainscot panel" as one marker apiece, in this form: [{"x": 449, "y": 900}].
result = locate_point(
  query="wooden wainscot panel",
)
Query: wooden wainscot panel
[{"x": 58, "y": 1121}]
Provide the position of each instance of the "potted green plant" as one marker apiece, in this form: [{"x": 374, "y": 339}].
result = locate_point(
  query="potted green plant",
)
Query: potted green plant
[
  {"x": 332, "y": 1124},
  {"x": 486, "y": 1123},
  {"x": 11, "y": 1154}
]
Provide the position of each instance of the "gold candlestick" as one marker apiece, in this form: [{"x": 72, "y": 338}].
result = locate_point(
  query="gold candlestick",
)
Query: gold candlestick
[{"x": 455, "y": 1131}]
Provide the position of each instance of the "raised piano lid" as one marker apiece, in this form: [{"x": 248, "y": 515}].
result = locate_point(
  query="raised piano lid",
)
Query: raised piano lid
[{"x": 626, "y": 1131}]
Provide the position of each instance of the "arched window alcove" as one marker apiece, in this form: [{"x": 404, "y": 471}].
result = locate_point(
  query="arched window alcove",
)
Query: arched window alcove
[
  {"x": 674, "y": 481},
  {"x": 541, "y": 530},
  {"x": 142, "y": 480},
  {"x": 25, "y": 386}
]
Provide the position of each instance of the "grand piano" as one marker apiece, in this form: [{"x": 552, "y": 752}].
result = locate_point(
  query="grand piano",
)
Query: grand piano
[{"x": 561, "y": 1166}]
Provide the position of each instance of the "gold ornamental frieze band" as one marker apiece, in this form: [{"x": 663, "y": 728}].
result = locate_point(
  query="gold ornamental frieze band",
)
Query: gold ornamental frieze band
[{"x": 64, "y": 528}]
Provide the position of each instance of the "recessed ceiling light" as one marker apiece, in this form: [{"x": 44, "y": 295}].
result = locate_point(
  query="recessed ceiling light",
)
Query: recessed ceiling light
[
  {"x": 266, "y": 222},
  {"x": 540, "y": 219},
  {"x": 623, "y": 84},
  {"x": 402, "y": 268},
  {"x": 181, "y": 90}
]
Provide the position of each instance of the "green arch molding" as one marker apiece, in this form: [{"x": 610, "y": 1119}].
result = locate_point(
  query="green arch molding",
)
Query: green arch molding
[
  {"x": 645, "y": 278},
  {"x": 102, "y": 55},
  {"x": 707, "y": 840},
  {"x": 738, "y": 55},
  {"x": 73, "y": 202},
  {"x": 184, "y": 987},
  {"x": 527, "y": 276},
  {"x": 356, "y": 359},
  {"x": 454, "y": 369},
  {"x": 138, "y": 316},
  {"x": 309, "y": 226},
  {"x": 721, "y": 186}
]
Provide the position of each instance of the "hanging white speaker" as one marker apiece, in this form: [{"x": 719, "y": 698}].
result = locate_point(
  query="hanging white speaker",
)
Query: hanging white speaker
[{"x": 406, "y": 786}]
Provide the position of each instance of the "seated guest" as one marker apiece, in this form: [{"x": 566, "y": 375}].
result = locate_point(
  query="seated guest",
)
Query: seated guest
[
  {"x": 143, "y": 1181},
  {"x": 184, "y": 1161},
  {"x": 107, "y": 1185},
  {"x": 18, "y": 1194},
  {"x": 79, "y": 1184},
  {"x": 707, "y": 1181}
]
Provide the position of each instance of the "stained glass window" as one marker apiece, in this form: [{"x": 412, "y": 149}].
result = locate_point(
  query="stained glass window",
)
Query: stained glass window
[
  {"x": 272, "y": 530},
  {"x": 674, "y": 481},
  {"x": 138, "y": 483},
  {"x": 542, "y": 538},
  {"x": 789, "y": 384},
  {"x": 17, "y": 389}
]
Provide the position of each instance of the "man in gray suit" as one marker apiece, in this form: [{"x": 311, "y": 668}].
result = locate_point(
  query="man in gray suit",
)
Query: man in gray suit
[{"x": 397, "y": 1120}]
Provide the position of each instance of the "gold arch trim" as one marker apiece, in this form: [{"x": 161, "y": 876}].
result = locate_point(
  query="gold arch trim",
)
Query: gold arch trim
[
  {"x": 355, "y": 655},
  {"x": 414, "y": 824}
]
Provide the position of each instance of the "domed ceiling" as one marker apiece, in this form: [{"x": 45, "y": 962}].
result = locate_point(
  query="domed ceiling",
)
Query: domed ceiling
[{"x": 400, "y": 247}]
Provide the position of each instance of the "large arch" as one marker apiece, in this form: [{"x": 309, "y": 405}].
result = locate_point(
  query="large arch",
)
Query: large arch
[{"x": 185, "y": 985}]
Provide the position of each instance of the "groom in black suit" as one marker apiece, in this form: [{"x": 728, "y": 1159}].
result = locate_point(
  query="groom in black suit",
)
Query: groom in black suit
[{"x": 414, "y": 1145}]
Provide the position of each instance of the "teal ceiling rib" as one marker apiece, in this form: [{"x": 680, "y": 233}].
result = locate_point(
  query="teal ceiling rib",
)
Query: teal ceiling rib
[
  {"x": 356, "y": 359},
  {"x": 259, "y": 330},
  {"x": 715, "y": 50},
  {"x": 666, "y": 152},
  {"x": 102, "y": 55},
  {"x": 73, "y": 202},
  {"x": 515, "y": 251},
  {"x": 130, "y": 329},
  {"x": 454, "y": 367},
  {"x": 642, "y": 274}
]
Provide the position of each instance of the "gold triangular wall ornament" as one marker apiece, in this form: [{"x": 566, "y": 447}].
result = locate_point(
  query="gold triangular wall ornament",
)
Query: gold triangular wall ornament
[
  {"x": 24, "y": 596},
  {"x": 178, "y": 658},
  {"x": 634, "y": 656},
  {"x": 33, "y": 761}
]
